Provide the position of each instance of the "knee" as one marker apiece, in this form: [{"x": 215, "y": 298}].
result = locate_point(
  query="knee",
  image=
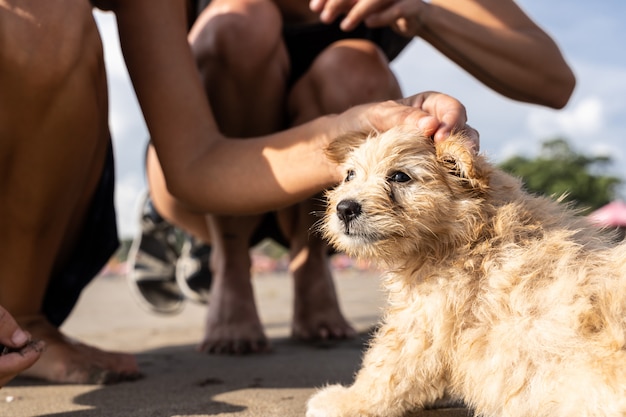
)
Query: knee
[
  {"x": 47, "y": 42},
  {"x": 353, "y": 72},
  {"x": 239, "y": 35}
]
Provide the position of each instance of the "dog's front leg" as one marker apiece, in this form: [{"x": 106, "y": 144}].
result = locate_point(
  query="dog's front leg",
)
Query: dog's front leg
[{"x": 400, "y": 372}]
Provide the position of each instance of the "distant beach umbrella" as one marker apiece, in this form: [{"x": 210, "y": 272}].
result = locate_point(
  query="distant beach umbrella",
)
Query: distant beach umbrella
[{"x": 611, "y": 215}]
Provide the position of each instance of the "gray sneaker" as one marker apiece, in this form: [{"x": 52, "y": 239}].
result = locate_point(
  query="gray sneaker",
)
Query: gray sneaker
[
  {"x": 152, "y": 263},
  {"x": 193, "y": 273}
]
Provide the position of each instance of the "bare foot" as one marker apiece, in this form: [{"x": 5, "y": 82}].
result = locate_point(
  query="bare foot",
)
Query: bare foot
[
  {"x": 68, "y": 361},
  {"x": 17, "y": 350},
  {"x": 233, "y": 325},
  {"x": 317, "y": 315}
]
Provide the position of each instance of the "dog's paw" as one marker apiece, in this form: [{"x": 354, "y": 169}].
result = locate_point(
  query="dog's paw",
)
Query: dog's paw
[{"x": 331, "y": 401}]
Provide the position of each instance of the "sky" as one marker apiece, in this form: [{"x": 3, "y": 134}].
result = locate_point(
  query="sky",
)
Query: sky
[{"x": 590, "y": 35}]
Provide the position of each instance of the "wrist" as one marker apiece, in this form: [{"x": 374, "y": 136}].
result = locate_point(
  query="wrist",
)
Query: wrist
[
  {"x": 414, "y": 22},
  {"x": 421, "y": 18}
]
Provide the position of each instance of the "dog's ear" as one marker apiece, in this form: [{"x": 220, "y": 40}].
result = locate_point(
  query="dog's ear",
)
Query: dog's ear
[
  {"x": 339, "y": 148},
  {"x": 456, "y": 154}
]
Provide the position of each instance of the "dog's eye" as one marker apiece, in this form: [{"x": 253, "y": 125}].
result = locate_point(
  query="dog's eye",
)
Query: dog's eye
[
  {"x": 399, "y": 176},
  {"x": 350, "y": 175}
]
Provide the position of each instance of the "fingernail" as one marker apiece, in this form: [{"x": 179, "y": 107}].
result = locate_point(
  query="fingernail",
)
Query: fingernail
[
  {"x": 20, "y": 337},
  {"x": 345, "y": 25}
]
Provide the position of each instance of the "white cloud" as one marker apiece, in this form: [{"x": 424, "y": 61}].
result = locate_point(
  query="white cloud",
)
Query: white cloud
[{"x": 583, "y": 119}]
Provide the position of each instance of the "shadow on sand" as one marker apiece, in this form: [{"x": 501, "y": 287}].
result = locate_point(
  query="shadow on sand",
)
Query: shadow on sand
[{"x": 181, "y": 382}]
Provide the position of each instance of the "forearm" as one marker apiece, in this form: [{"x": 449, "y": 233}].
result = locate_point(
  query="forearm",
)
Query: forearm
[
  {"x": 262, "y": 174},
  {"x": 202, "y": 168},
  {"x": 499, "y": 45}
]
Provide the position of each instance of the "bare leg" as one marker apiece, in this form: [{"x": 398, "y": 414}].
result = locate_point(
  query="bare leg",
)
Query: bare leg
[
  {"x": 54, "y": 141},
  {"x": 233, "y": 324},
  {"x": 316, "y": 312},
  {"x": 245, "y": 82},
  {"x": 330, "y": 86}
]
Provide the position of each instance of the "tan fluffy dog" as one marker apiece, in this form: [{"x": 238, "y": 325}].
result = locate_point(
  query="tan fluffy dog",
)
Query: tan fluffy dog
[{"x": 508, "y": 302}]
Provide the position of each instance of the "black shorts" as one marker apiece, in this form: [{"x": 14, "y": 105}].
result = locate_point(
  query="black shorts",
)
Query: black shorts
[
  {"x": 305, "y": 42},
  {"x": 97, "y": 243}
]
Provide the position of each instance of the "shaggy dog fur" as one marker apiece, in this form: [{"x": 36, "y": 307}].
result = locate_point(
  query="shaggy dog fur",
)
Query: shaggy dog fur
[{"x": 508, "y": 302}]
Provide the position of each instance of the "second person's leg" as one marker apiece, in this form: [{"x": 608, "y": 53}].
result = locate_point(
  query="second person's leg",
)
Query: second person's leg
[
  {"x": 348, "y": 73},
  {"x": 243, "y": 65}
]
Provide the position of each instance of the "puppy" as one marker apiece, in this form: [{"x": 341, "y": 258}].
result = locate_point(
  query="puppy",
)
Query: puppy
[{"x": 510, "y": 303}]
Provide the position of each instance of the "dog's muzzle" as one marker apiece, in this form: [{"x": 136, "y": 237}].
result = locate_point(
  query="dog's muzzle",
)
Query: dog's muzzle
[{"x": 348, "y": 211}]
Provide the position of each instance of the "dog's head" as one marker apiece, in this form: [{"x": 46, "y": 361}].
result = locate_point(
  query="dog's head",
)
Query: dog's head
[{"x": 404, "y": 196}]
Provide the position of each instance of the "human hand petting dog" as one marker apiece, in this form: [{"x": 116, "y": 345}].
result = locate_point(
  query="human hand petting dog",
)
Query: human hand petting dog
[
  {"x": 443, "y": 116},
  {"x": 435, "y": 114}
]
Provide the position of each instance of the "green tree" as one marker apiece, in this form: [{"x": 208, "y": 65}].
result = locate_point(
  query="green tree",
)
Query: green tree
[{"x": 559, "y": 170}]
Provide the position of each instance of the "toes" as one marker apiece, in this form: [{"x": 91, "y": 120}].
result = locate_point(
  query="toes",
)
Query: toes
[
  {"x": 324, "y": 332},
  {"x": 109, "y": 377},
  {"x": 98, "y": 368},
  {"x": 69, "y": 361},
  {"x": 261, "y": 346},
  {"x": 345, "y": 332},
  {"x": 234, "y": 347}
]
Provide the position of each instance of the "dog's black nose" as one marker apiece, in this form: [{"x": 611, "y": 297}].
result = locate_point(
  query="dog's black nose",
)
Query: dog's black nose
[{"x": 348, "y": 210}]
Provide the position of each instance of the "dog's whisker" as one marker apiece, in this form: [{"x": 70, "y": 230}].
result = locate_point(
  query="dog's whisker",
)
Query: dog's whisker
[{"x": 317, "y": 213}]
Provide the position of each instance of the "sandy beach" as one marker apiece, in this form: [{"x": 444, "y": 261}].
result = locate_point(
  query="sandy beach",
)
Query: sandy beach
[{"x": 179, "y": 381}]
